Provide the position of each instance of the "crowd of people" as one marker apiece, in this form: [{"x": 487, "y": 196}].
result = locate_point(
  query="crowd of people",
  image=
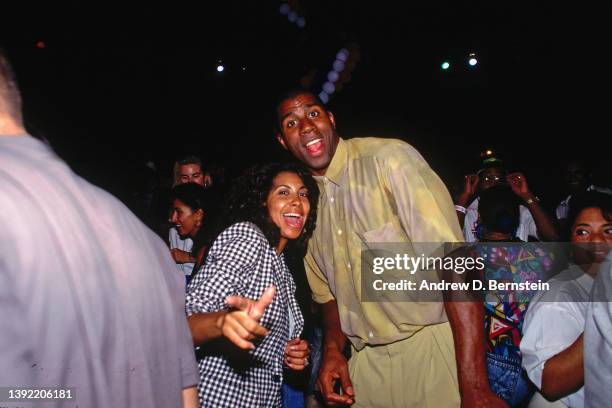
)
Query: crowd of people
[{"x": 94, "y": 301}]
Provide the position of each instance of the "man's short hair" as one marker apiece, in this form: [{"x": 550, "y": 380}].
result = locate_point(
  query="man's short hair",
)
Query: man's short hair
[
  {"x": 290, "y": 94},
  {"x": 183, "y": 161},
  {"x": 10, "y": 97}
]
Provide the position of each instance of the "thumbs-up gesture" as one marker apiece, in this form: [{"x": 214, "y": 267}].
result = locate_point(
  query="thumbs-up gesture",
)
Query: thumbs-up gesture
[{"x": 241, "y": 324}]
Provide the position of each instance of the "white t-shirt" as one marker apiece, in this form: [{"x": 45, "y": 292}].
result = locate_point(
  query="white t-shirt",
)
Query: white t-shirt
[
  {"x": 554, "y": 320},
  {"x": 526, "y": 226},
  {"x": 598, "y": 341},
  {"x": 184, "y": 245}
]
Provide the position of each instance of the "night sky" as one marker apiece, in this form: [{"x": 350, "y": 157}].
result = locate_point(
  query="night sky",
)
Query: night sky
[{"x": 117, "y": 85}]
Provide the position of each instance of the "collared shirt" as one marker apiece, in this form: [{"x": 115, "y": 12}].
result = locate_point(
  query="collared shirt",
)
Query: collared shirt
[
  {"x": 184, "y": 245},
  {"x": 375, "y": 190},
  {"x": 554, "y": 321},
  {"x": 242, "y": 262}
]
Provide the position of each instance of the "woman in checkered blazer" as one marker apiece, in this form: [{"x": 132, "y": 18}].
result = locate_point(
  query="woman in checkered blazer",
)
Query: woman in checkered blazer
[{"x": 244, "y": 345}]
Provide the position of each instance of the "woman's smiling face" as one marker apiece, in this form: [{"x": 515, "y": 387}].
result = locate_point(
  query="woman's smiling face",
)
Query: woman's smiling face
[{"x": 288, "y": 205}]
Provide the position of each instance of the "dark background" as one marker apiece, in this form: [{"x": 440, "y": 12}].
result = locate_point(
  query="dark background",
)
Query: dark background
[{"x": 117, "y": 85}]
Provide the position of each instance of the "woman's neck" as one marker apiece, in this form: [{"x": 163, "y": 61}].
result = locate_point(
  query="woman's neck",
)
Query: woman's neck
[{"x": 282, "y": 243}]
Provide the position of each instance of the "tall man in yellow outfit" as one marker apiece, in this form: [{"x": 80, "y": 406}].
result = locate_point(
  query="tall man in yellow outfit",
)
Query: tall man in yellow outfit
[{"x": 381, "y": 190}]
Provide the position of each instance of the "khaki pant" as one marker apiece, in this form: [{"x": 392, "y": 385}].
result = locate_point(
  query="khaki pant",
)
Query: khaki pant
[{"x": 416, "y": 372}]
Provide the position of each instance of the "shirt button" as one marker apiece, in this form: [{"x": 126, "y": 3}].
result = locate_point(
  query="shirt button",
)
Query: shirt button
[
  {"x": 331, "y": 199},
  {"x": 339, "y": 232},
  {"x": 348, "y": 265},
  {"x": 371, "y": 334}
]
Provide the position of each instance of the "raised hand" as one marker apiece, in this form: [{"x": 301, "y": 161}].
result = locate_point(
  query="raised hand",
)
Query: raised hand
[{"x": 519, "y": 186}]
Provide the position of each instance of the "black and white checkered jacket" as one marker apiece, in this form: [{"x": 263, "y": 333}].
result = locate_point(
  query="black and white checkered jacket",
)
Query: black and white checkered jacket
[{"x": 242, "y": 262}]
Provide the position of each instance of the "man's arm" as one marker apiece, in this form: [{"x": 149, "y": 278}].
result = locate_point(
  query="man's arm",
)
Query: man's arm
[
  {"x": 466, "y": 196},
  {"x": 190, "y": 397},
  {"x": 427, "y": 214},
  {"x": 466, "y": 320},
  {"x": 544, "y": 223},
  {"x": 334, "y": 366}
]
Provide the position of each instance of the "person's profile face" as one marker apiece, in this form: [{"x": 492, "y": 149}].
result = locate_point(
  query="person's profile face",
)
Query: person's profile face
[
  {"x": 186, "y": 221},
  {"x": 591, "y": 235},
  {"x": 288, "y": 205},
  {"x": 575, "y": 177},
  {"x": 191, "y": 173},
  {"x": 308, "y": 131}
]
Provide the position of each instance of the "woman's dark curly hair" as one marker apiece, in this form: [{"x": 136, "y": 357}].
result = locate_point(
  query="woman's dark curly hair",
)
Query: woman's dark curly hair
[{"x": 248, "y": 195}]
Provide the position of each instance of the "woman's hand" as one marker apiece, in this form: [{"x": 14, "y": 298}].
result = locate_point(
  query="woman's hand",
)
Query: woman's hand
[
  {"x": 296, "y": 354},
  {"x": 181, "y": 257},
  {"x": 241, "y": 324}
]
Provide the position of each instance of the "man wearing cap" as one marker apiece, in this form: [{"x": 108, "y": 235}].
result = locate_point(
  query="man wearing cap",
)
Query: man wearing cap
[{"x": 534, "y": 221}]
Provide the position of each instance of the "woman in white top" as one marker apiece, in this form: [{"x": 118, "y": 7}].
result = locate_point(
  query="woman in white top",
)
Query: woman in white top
[{"x": 552, "y": 344}]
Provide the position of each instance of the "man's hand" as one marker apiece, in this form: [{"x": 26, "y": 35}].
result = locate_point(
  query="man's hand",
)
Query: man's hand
[
  {"x": 242, "y": 324},
  {"x": 334, "y": 368},
  {"x": 519, "y": 186},
  {"x": 181, "y": 256},
  {"x": 469, "y": 189},
  {"x": 296, "y": 354},
  {"x": 482, "y": 399}
]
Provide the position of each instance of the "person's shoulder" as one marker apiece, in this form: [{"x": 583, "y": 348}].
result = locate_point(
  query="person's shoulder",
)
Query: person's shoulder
[
  {"x": 388, "y": 151},
  {"x": 245, "y": 230},
  {"x": 564, "y": 288},
  {"x": 378, "y": 146}
]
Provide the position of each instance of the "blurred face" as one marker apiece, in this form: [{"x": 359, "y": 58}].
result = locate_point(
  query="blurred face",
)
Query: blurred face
[
  {"x": 288, "y": 205},
  {"x": 186, "y": 221},
  {"x": 191, "y": 173},
  {"x": 492, "y": 177},
  {"x": 308, "y": 132},
  {"x": 593, "y": 235},
  {"x": 575, "y": 177}
]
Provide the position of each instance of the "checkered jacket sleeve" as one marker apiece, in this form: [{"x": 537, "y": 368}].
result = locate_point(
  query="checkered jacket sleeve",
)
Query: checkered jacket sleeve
[
  {"x": 242, "y": 262},
  {"x": 227, "y": 271}
]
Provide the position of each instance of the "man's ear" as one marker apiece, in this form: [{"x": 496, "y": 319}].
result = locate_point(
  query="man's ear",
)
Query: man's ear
[
  {"x": 332, "y": 119},
  {"x": 280, "y": 139}
]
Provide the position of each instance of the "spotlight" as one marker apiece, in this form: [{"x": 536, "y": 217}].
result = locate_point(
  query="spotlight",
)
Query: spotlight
[
  {"x": 342, "y": 55},
  {"x": 324, "y": 97},
  {"x": 285, "y": 8},
  {"x": 472, "y": 61},
  {"x": 338, "y": 66},
  {"x": 333, "y": 76},
  {"x": 329, "y": 88},
  {"x": 445, "y": 65},
  {"x": 301, "y": 22},
  {"x": 293, "y": 16},
  {"x": 220, "y": 68}
]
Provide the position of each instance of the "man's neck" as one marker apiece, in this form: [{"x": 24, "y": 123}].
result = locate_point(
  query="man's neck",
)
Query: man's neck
[{"x": 8, "y": 127}]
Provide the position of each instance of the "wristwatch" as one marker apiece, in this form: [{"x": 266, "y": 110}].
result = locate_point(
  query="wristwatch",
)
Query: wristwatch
[{"x": 531, "y": 200}]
